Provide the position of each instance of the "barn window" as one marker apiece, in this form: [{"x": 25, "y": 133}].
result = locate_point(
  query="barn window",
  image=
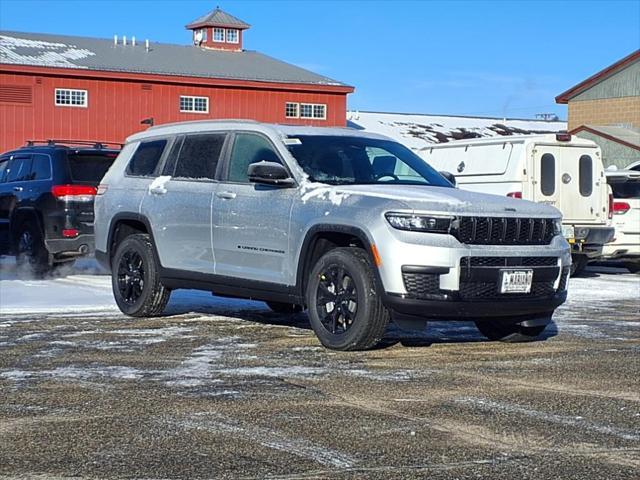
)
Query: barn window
[
  {"x": 194, "y": 104},
  {"x": 291, "y": 110},
  {"x": 313, "y": 110},
  {"x": 232, "y": 35},
  {"x": 66, "y": 97},
  {"x": 218, "y": 34}
]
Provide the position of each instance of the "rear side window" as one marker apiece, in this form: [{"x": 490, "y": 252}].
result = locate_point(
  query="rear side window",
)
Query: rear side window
[
  {"x": 89, "y": 167},
  {"x": 199, "y": 156},
  {"x": 585, "y": 171},
  {"x": 145, "y": 160},
  {"x": 19, "y": 169},
  {"x": 3, "y": 168},
  {"x": 548, "y": 174},
  {"x": 40, "y": 167},
  {"x": 249, "y": 148}
]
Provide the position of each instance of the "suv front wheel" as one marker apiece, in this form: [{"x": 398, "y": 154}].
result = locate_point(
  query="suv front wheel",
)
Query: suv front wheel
[
  {"x": 344, "y": 308},
  {"x": 135, "y": 278}
]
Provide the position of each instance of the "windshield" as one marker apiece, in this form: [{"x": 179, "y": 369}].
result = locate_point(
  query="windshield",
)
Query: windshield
[{"x": 341, "y": 160}]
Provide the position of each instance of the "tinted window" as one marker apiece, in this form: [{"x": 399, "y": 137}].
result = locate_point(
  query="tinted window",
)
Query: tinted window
[
  {"x": 172, "y": 158},
  {"x": 622, "y": 188},
  {"x": 3, "y": 168},
  {"x": 548, "y": 174},
  {"x": 146, "y": 158},
  {"x": 249, "y": 148},
  {"x": 343, "y": 160},
  {"x": 89, "y": 167},
  {"x": 586, "y": 175},
  {"x": 40, "y": 167},
  {"x": 199, "y": 156},
  {"x": 19, "y": 169}
]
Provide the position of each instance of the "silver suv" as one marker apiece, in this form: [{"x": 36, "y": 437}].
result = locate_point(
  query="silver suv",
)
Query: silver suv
[{"x": 351, "y": 226}]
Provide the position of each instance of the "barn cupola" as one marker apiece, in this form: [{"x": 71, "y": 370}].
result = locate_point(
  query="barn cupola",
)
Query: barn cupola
[{"x": 218, "y": 30}]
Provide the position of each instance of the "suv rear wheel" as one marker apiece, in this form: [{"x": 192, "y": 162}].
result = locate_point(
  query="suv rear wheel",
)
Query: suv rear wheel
[
  {"x": 344, "y": 308},
  {"x": 32, "y": 257},
  {"x": 509, "y": 333},
  {"x": 136, "y": 280}
]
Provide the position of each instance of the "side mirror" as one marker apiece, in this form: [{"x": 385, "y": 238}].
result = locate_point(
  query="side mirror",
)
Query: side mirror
[
  {"x": 450, "y": 177},
  {"x": 269, "y": 173}
]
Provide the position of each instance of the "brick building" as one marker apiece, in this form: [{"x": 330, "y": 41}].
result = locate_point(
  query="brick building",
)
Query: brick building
[
  {"x": 606, "y": 108},
  {"x": 64, "y": 87}
]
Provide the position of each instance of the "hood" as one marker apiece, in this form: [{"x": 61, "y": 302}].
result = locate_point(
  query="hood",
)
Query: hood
[{"x": 447, "y": 200}]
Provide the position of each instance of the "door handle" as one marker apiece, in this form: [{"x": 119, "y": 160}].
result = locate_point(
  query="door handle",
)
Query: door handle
[
  {"x": 17, "y": 189},
  {"x": 226, "y": 195},
  {"x": 158, "y": 190}
]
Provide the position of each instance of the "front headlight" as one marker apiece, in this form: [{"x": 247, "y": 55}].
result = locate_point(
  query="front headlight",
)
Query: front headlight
[
  {"x": 419, "y": 223},
  {"x": 557, "y": 226}
]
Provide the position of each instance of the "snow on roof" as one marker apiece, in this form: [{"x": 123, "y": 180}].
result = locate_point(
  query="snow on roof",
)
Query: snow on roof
[{"x": 417, "y": 131}]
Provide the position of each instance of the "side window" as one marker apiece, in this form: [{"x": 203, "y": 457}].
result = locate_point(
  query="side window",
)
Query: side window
[
  {"x": 145, "y": 160},
  {"x": 548, "y": 174},
  {"x": 19, "y": 169},
  {"x": 585, "y": 171},
  {"x": 199, "y": 156},
  {"x": 249, "y": 148},
  {"x": 3, "y": 168},
  {"x": 40, "y": 167}
]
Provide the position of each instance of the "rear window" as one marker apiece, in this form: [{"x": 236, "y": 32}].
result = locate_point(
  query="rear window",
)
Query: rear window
[
  {"x": 199, "y": 156},
  {"x": 89, "y": 167},
  {"x": 585, "y": 170},
  {"x": 145, "y": 160},
  {"x": 625, "y": 189}
]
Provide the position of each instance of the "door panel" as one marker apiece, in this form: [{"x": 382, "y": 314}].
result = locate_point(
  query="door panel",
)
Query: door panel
[
  {"x": 567, "y": 178},
  {"x": 250, "y": 221}
]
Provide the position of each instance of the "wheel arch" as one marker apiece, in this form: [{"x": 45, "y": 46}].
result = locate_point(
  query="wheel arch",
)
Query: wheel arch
[
  {"x": 124, "y": 224},
  {"x": 20, "y": 214}
]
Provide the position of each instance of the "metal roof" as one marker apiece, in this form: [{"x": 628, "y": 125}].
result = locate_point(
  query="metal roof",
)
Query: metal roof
[
  {"x": 219, "y": 18},
  {"x": 61, "y": 51},
  {"x": 626, "y": 136}
]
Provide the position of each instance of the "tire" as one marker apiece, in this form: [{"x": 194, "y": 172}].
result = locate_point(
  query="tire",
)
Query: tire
[
  {"x": 284, "y": 308},
  {"x": 345, "y": 275},
  {"x": 497, "y": 330},
  {"x": 578, "y": 264},
  {"x": 32, "y": 258},
  {"x": 135, "y": 278},
  {"x": 632, "y": 267}
]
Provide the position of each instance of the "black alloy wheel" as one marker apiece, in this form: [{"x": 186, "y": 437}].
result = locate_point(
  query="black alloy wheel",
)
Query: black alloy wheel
[
  {"x": 131, "y": 277},
  {"x": 337, "y": 299}
]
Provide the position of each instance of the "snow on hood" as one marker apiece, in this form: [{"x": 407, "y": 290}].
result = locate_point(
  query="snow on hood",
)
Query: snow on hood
[{"x": 436, "y": 199}]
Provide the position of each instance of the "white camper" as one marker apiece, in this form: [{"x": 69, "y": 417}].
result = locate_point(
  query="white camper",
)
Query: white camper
[{"x": 557, "y": 169}]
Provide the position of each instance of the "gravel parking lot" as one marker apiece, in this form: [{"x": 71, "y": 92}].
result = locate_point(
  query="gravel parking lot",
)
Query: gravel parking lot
[{"x": 226, "y": 389}]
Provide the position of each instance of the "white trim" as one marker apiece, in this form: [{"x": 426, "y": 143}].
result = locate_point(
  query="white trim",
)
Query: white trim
[
  {"x": 193, "y": 104},
  {"x": 213, "y": 34},
  {"x": 71, "y": 91},
  {"x": 232, "y": 30}
]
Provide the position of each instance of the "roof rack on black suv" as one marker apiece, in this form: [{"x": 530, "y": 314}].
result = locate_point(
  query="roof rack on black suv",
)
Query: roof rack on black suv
[{"x": 47, "y": 188}]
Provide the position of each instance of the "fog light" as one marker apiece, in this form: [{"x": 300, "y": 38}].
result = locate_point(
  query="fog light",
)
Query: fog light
[{"x": 70, "y": 233}]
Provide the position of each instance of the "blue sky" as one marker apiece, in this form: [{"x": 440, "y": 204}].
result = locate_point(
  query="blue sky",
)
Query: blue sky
[{"x": 499, "y": 58}]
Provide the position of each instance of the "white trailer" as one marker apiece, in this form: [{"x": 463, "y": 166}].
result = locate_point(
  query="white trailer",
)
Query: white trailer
[{"x": 557, "y": 169}]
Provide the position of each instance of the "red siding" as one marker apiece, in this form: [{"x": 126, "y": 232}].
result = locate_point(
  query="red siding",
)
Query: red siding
[{"x": 116, "y": 106}]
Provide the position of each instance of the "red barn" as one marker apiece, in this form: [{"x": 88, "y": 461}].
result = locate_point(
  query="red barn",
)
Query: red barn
[{"x": 64, "y": 87}]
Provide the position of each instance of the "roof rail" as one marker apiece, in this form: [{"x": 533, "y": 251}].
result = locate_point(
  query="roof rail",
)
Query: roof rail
[
  {"x": 98, "y": 144},
  {"x": 211, "y": 120}
]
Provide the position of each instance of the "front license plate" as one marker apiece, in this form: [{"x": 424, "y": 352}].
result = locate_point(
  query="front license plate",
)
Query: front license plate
[
  {"x": 516, "y": 281},
  {"x": 568, "y": 231}
]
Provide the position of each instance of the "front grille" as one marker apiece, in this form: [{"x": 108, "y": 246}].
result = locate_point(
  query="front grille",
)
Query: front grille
[
  {"x": 480, "y": 291},
  {"x": 509, "y": 261},
  {"x": 564, "y": 279},
  {"x": 421, "y": 285},
  {"x": 503, "y": 231}
]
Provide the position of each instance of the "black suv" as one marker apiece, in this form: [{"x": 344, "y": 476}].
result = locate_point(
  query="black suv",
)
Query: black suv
[{"x": 46, "y": 201}]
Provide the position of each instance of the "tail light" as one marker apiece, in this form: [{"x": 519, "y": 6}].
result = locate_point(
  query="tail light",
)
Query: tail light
[
  {"x": 70, "y": 233},
  {"x": 514, "y": 194},
  {"x": 610, "y": 206},
  {"x": 563, "y": 137},
  {"x": 620, "y": 208},
  {"x": 74, "y": 193}
]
